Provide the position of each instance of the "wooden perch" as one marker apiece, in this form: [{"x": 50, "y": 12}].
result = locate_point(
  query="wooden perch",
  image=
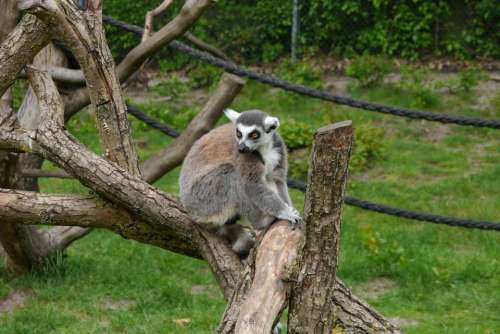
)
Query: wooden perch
[
  {"x": 311, "y": 308},
  {"x": 263, "y": 290}
]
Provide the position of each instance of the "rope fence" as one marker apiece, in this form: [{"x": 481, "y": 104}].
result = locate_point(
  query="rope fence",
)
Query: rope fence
[{"x": 311, "y": 92}]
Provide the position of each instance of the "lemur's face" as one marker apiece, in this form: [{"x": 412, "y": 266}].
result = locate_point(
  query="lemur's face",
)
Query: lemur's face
[{"x": 254, "y": 129}]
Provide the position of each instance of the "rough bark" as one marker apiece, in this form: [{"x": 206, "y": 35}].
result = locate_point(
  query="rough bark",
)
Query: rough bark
[
  {"x": 82, "y": 32},
  {"x": 148, "y": 20},
  {"x": 189, "y": 13},
  {"x": 263, "y": 290},
  {"x": 156, "y": 166},
  {"x": 355, "y": 316},
  {"x": 311, "y": 309},
  {"x": 26, "y": 247},
  {"x": 19, "y": 48}
]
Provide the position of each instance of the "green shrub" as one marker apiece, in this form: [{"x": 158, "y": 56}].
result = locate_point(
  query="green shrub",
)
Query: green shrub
[
  {"x": 298, "y": 164},
  {"x": 203, "y": 75},
  {"x": 300, "y": 72},
  {"x": 368, "y": 146},
  {"x": 297, "y": 134},
  {"x": 173, "y": 86},
  {"x": 417, "y": 83},
  {"x": 464, "y": 83},
  {"x": 260, "y": 30},
  {"x": 369, "y": 70}
]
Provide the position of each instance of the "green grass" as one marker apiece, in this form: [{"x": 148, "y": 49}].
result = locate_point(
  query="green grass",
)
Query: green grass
[{"x": 447, "y": 279}]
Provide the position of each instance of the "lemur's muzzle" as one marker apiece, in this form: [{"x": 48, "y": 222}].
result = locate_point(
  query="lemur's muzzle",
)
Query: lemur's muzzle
[{"x": 242, "y": 148}]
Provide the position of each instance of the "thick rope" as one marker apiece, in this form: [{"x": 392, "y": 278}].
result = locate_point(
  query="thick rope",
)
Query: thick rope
[
  {"x": 421, "y": 216},
  {"x": 316, "y": 93},
  {"x": 151, "y": 121}
]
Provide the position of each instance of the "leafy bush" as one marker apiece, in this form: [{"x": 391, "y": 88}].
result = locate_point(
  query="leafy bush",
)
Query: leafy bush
[
  {"x": 368, "y": 146},
  {"x": 417, "y": 82},
  {"x": 464, "y": 83},
  {"x": 260, "y": 30},
  {"x": 203, "y": 75},
  {"x": 297, "y": 134},
  {"x": 300, "y": 72},
  {"x": 369, "y": 70},
  {"x": 174, "y": 87},
  {"x": 298, "y": 164}
]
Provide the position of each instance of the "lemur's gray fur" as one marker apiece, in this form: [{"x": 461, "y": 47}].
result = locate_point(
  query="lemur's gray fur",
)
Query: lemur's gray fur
[{"x": 238, "y": 169}]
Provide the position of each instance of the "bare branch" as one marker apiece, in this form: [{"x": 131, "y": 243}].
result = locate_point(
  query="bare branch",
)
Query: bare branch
[
  {"x": 25, "y": 207},
  {"x": 172, "y": 155},
  {"x": 148, "y": 21},
  {"x": 63, "y": 236},
  {"x": 19, "y": 48},
  {"x": 205, "y": 46},
  {"x": 49, "y": 100},
  {"x": 354, "y": 315},
  {"x": 189, "y": 13},
  {"x": 83, "y": 33},
  {"x": 62, "y": 74},
  {"x": 58, "y": 173}
]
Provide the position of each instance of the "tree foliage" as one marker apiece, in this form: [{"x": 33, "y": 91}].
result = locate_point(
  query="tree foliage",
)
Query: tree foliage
[{"x": 412, "y": 29}]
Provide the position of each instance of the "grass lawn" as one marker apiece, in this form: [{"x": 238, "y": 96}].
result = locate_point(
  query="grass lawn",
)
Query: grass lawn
[{"x": 436, "y": 279}]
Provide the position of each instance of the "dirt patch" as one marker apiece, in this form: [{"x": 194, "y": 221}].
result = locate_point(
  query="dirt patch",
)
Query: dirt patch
[
  {"x": 401, "y": 322},
  {"x": 15, "y": 300},
  {"x": 376, "y": 288},
  {"x": 118, "y": 304},
  {"x": 198, "y": 289}
]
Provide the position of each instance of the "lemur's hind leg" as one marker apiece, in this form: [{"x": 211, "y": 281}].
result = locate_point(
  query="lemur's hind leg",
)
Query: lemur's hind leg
[
  {"x": 239, "y": 237},
  {"x": 233, "y": 220}
]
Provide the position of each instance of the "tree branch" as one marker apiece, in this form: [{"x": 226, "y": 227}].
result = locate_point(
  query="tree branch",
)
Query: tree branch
[
  {"x": 19, "y": 48},
  {"x": 83, "y": 33},
  {"x": 189, "y": 13}
]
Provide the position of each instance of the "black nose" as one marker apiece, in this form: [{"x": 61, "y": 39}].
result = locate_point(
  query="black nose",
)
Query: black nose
[{"x": 242, "y": 148}]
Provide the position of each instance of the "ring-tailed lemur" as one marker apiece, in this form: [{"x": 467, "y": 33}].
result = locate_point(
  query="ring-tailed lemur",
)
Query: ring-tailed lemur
[{"x": 238, "y": 169}]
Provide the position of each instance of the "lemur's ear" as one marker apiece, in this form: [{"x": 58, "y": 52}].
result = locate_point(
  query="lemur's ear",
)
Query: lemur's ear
[
  {"x": 271, "y": 123},
  {"x": 231, "y": 114}
]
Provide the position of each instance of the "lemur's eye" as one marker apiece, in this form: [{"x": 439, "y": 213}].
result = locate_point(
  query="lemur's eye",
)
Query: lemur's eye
[
  {"x": 238, "y": 134},
  {"x": 254, "y": 135}
]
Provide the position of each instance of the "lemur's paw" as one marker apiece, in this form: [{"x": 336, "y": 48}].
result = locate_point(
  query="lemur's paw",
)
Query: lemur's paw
[{"x": 292, "y": 215}]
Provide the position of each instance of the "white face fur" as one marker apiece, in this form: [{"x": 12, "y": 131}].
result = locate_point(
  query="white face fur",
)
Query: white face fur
[{"x": 253, "y": 137}]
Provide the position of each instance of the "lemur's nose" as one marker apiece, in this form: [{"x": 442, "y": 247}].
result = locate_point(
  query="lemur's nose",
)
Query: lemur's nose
[{"x": 242, "y": 148}]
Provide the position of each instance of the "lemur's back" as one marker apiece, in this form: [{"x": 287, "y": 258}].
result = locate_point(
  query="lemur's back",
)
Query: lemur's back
[
  {"x": 207, "y": 175},
  {"x": 214, "y": 149}
]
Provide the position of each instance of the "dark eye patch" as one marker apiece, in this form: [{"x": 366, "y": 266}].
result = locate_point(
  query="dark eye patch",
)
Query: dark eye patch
[
  {"x": 254, "y": 135},
  {"x": 238, "y": 134}
]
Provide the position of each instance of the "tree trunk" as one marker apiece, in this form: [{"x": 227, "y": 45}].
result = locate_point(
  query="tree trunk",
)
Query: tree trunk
[
  {"x": 311, "y": 309},
  {"x": 26, "y": 247}
]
